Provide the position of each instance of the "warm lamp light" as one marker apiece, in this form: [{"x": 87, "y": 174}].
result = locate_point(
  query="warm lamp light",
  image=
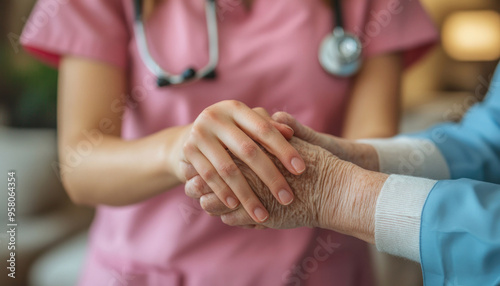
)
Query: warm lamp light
[{"x": 472, "y": 36}]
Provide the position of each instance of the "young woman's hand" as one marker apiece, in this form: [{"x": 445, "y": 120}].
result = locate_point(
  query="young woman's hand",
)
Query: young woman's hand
[{"x": 233, "y": 126}]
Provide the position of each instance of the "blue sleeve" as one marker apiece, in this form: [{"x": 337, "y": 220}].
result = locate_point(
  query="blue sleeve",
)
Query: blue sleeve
[
  {"x": 460, "y": 234},
  {"x": 471, "y": 148}
]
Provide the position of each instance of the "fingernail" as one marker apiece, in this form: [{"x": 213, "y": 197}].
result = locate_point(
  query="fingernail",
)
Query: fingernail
[
  {"x": 289, "y": 128},
  {"x": 260, "y": 214},
  {"x": 232, "y": 202},
  {"x": 285, "y": 197},
  {"x": 298, "y": 165}
]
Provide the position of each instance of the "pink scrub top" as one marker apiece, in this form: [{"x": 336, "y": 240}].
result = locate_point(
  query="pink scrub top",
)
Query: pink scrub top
[{"x": 268, "y": 58}]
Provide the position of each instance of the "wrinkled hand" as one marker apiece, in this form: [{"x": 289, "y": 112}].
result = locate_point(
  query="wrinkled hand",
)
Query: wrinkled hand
[
  {"x": 331, "y": 194},
  {"x": 313, "y": 198},
  {"x": 363, "y": 155}
]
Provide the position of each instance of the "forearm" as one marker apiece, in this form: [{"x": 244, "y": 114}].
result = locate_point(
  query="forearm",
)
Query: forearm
[
  {"x": 358, "y": 153},
  {"x": 359, "y": 205},
  {"x": 382, "y": 124},
  {"x": 119, "y": 172},
  {"x": 96, "y": 165},
  {"x": 377, "y": 208},
  {"x": 353, "y": 192},
  {"x": 374, "y": 103}
]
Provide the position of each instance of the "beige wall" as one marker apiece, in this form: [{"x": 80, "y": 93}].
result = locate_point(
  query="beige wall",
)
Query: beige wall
[{"x": 437, "y": 72}]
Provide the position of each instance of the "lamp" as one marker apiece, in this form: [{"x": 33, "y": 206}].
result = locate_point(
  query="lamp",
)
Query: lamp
[{"x": 472, "y": 36}]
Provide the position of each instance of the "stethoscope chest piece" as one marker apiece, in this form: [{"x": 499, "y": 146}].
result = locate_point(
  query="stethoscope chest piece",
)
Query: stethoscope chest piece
[{"x": 340, "y": 53}]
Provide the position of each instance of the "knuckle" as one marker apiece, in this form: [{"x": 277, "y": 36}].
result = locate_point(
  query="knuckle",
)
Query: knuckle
[
  {"x": 276, "y": 182},
  {"x": 264, "y": 128},
  {"x": 190, "y": 191},
  {"x": 185, "y": 170},
  {"x": 205, "y": 204},
  {"x": 188, "y": 148},
  {"x": 289, "y": 152},
  {"x": 233, "y": 103},
  {"x": 277, "y": 179},
  {"x": 281, "y": 117},
  {"x": 212, "y": 205},
  {"x": 228, "y": 219},
  {"x": 249, "y": 150},
  {"x": 248, "y": 201},
  {"x": 229, "y": 170},
  {"x": 209, "y": 114},
  {"x": 261, "y": 111},
  {"x": 209, "y": 174},
  {"x": 197, "y": 187},
  {"x": 223, "y": 193},
  {"x": 196, "y": 134}
]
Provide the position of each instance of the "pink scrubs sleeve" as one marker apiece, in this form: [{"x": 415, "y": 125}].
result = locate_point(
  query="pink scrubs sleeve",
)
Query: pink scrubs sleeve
[
  {"x": 93, "y": 29},
  {"x": 397, "y": 26}
]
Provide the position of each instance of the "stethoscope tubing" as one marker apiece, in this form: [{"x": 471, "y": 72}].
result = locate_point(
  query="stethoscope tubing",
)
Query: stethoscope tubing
[
  {"x": 154, "y": 67},
  {"x": 332, "y": 62}
]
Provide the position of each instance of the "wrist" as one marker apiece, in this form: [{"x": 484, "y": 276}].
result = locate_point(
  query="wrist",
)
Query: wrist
[
  {"x": 332, "y": 182},
  {"x": 360, "y": 204},
  {"x": 172, "y": 154},
  {"x": 349, "y": 207}
]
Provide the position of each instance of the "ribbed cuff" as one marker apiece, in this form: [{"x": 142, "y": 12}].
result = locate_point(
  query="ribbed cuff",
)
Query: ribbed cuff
[
  {"x": 398, "y": 215},
  {"x": 410, "y": 156}
]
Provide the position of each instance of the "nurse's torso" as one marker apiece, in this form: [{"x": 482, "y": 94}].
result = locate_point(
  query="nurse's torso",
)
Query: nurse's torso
[{"x": 268, "y": 58}]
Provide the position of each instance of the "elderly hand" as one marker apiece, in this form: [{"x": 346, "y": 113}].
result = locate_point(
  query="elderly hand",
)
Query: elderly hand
[
  {"x": 363, "y": 155},
  {"x": 331, "y": 194},
  {"x": 308, "y": 208}
]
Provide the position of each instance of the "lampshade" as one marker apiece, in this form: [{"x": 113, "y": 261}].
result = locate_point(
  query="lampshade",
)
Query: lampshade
[{"x": 472, "y": 36}]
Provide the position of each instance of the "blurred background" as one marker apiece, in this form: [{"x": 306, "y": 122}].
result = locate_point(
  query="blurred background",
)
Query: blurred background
[{"x": 441, "y": 87}]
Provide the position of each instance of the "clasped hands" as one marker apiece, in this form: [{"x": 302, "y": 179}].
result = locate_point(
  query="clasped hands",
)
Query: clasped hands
[{"x": 330, "y": 193}]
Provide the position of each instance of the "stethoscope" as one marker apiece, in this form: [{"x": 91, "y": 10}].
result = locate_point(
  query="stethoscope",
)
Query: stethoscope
[{"x": 339, "y": 53}]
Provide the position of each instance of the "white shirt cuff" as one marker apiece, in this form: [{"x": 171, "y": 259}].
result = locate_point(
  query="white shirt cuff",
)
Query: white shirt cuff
[
  {"x": 398, "y": 215},
  {"x": 410, "y": 156}
]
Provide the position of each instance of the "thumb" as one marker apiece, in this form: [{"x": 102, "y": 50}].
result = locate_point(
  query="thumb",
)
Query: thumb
[{"x": 303, "y": 132}]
